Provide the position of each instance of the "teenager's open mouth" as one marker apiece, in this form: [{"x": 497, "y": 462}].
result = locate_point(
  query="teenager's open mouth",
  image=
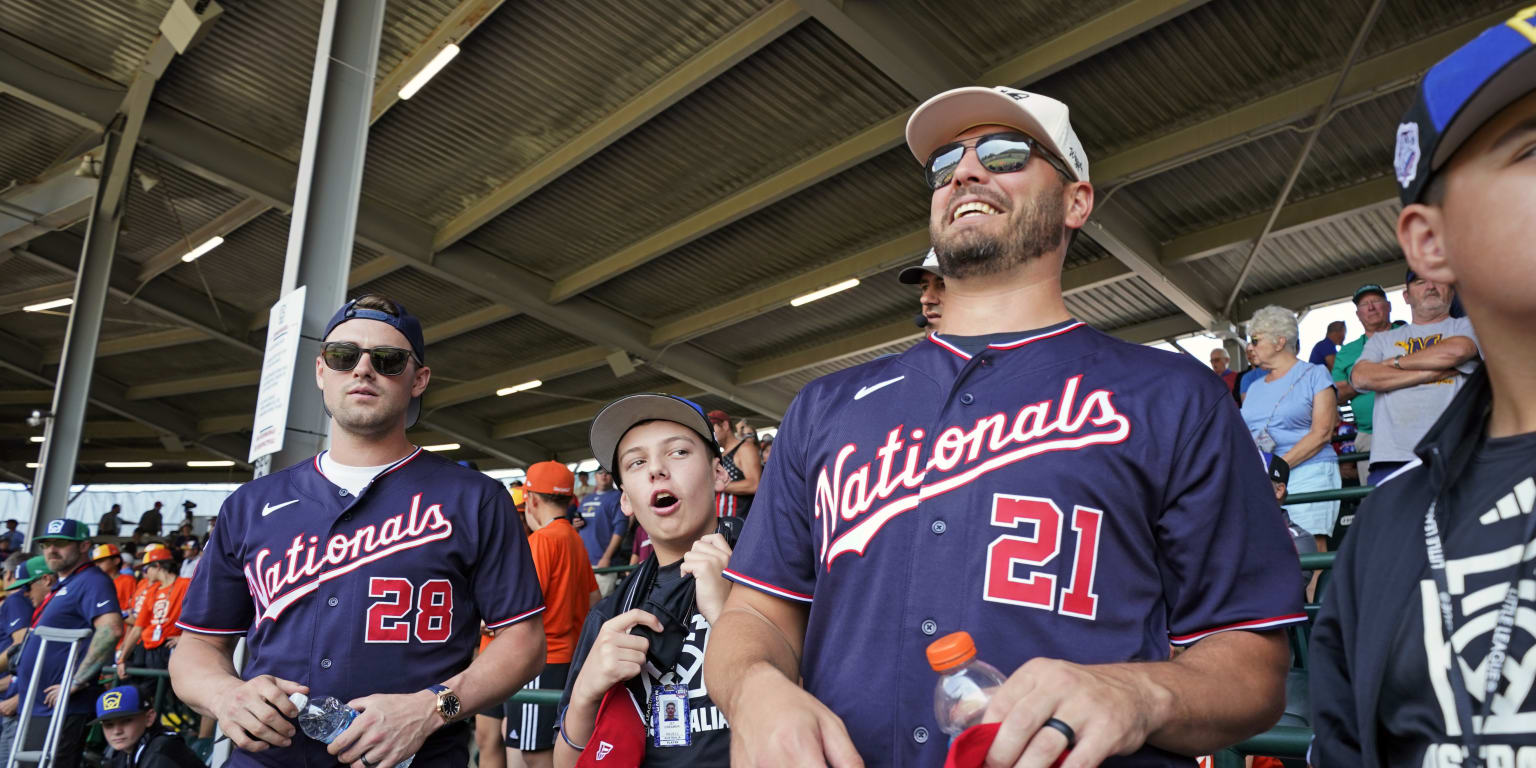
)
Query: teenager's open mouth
[{"x": 663, "y": 500}]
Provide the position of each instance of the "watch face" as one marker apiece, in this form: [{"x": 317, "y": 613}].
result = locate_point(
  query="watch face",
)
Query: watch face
[{"x": 449, "y": 703}]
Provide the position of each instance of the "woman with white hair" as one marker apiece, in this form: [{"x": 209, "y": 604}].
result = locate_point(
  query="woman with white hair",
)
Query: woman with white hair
[{"x": 1292, "y": 412}]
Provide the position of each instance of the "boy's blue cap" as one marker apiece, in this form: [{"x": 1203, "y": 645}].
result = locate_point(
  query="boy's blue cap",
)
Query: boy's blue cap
[
  {"x": 1459, "y": 94},
  {"x": 404, "y": 322},
  {"x": 122, "y": 701},
  {"x": 619, "y": 416}
]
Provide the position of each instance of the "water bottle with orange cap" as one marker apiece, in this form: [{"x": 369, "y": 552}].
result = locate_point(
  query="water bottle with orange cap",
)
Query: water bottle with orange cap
[{"x": 965, "y": 682}]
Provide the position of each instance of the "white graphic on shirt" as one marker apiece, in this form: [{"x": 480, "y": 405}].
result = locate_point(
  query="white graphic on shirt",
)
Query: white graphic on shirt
[{"x": 863, "y": 391}]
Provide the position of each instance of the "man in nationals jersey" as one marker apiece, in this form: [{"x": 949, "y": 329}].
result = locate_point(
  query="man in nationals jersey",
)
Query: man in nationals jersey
[
  {"x": 1074, "y": 502},
  {"x": 364, "y": 574}
]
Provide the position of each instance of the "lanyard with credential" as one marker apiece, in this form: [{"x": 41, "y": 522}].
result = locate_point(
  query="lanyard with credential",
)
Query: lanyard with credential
[{"x": 1498, "y": 650}]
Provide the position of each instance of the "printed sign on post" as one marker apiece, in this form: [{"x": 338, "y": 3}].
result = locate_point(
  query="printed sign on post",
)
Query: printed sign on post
[{"x": 277, "y": 368}]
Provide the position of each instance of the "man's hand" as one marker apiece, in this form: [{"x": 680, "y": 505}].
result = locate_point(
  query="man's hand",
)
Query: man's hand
[
  {"x": 256, "y": 713},
  {"x": 1111, "y": 710},
  {"x": 705, "y": 561},
  {"x": 9, "y": 706},
  {"x": 122, "y": 670},
  {"x": 603, "y": 562},
  {"x": 578, "y": 522},
  {"x": 388, "y": 729},
  {"x": 51, "y": 693},
  {"x": 616, "y": 655},
  {"x": 775, "y": 722}
]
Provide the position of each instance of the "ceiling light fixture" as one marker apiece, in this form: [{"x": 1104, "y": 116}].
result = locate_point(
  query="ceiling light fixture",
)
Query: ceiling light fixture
[
  {"x": 36, "y": 438},
  {"x": 523, "y": 387},
  {"x": 33, "y": 465},
  {"x": 433, "y": 67},
  {"x": 130, "y": 464},
  {"x": 825, "y": 292},
  {"x": 55, "y": 304},
  {"x": 441, "y": 447},
  {"x": 210, "y": 463},
  {"x": 212, "y": 243}
]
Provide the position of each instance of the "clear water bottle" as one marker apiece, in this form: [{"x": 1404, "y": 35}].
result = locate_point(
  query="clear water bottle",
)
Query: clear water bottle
[
  {"x": 965, "y": 682},
  {"x": 323, "y": 719}
]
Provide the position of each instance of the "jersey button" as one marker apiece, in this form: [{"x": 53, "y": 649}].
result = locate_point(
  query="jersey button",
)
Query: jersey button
[
  {"x": 938, "y": 527},
  {"x": 346, "y": 516},
  {"x": 333, "y": 602},
  {"x": 930, "y": 626},
  {"x": 967, "y": 399},
  {"x": 920, "y": 735},
  {"x": 325, "y": 663},
  {"x": 341, "y": 492}
]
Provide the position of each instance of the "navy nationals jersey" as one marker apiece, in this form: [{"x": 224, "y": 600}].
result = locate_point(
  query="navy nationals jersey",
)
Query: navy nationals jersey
[
  {"x": 379, "y": 593},
  {"x": 1066, "y": 495}
]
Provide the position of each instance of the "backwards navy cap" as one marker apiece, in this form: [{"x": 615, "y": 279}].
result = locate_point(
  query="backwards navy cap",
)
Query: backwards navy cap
[
  {"x": 404, "y": 322},
  {"x": 1459, "y": 94}
]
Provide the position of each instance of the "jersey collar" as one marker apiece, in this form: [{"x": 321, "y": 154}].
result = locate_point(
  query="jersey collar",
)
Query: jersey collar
[{"x": 1023, "y": 340}]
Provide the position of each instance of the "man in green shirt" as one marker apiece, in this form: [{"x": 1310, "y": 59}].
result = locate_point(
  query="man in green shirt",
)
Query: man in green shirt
[{"x": 1375, "y": 315}]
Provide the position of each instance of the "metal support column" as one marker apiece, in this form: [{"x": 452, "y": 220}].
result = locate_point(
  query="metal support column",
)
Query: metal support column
[
  {"x": 61, "y": 439},
  {"x": 325, "y": 204}
]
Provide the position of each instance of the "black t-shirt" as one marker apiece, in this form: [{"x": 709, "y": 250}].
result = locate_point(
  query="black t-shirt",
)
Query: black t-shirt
[
  {"x": 1418, "y": 704},
  {"x": 711, "y": 734}
]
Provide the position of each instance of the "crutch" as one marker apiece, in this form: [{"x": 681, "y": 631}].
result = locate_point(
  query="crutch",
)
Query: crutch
[{"x": 44, "y": 757}]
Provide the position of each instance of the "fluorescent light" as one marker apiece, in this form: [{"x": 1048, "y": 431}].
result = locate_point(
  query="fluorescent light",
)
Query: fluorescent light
[
  {"x": 442, "y": 447},
  {"x": 36, "y": 438},
  {"x": 825, "y": 292},
  {"x": 210, "y": 463},
  {"x": 55, "y": 304},
  {"x": 33, "y": 465},
  {"x": 433, "y": 67},
  {"x": 523, "y": 387},
  {"x": 130, "y": 464},
  {"x": 213, "y": 242}
]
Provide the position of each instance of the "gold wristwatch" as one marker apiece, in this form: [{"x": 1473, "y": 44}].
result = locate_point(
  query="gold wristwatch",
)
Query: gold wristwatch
[{"x": 447, "y": 702}]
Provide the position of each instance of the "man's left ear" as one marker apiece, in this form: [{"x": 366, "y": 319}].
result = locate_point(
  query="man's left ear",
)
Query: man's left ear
[
  {"x": 1079, "y": 204},
  {"x": 1421, "y": 233},
  {"x": 423, "y": 375},
  {"x": 721, "y": 476}
]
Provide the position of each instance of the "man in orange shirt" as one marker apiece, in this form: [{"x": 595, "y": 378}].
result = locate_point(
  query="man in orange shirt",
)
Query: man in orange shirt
[
  {"x": 155, "y": 623},
  {"x": 570, "y": 588},
  {"x": 109, "y": 559}
]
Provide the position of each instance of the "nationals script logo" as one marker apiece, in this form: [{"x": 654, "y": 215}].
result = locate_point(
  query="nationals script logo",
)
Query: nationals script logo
[
  {"x": 306, "y": 561},
  {"x": 992, "y": 443}
]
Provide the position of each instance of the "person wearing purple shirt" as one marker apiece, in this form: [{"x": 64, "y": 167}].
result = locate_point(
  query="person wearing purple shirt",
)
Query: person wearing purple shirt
[{"x": 1323, "y": 352}]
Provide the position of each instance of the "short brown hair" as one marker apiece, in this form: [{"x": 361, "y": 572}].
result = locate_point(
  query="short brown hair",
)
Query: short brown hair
[{"x": 380, "y": 303}]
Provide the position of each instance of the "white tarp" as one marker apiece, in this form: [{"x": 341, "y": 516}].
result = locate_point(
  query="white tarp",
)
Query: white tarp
[{"x": 95, "y": 501}]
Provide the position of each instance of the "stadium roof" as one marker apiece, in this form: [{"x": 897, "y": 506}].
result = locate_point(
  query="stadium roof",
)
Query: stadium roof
[{"x": 658, "y": 180}]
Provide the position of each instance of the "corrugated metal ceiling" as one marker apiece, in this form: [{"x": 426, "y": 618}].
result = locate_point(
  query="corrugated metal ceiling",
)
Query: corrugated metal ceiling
[
  {"x": 789, "y": 329},
  {"x": 33, "y": 140},
  {"x": 508, "y": 344},
  {"x": 109, "y": 38}
]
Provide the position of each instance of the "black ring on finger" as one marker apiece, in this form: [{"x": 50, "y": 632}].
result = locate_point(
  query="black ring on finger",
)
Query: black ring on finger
[
  {"x": 367, "y": 762},
  {"x": 1064, "y": 729}
]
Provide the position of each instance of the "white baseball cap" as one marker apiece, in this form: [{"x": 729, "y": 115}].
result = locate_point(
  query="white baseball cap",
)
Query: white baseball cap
[
  {"x": 913, "y": 275},
  {"x": 940, "y": 119}
]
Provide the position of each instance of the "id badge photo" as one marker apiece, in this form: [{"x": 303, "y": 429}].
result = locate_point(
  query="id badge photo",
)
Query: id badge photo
[{"x": 669, "y": 716}]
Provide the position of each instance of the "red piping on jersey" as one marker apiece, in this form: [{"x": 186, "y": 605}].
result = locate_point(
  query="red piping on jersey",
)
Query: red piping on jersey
[
  {"x": 933, "y": 337},
  {"x": 766, "y": 587},
  {"x": 388, "y": 470},
  {"x": 1253, "y": 624},
  {"x": 514, "y": 619},
  {"x": 207, "y": 631}
]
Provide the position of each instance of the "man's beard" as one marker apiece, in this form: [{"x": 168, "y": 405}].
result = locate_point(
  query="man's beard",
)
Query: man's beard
[
  {"x": 1033, "y": 230},
  {"x": 366, "y": 422}
]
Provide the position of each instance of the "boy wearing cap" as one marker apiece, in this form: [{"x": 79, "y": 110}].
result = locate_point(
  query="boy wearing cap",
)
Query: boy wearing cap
[
  {"x": 1421, "y": 653},
  {"x": 1049, "y": 489},
  {"x": 134, "y": 738},
  {"x": 83, "y": 598},
  {"x": 109, "y": 559},
  {"x": 364, "y": 574},
  {"x": 928, "y": 275},
  {"x": 643, "y": 645},
  {"x": 569, "y": 589}
]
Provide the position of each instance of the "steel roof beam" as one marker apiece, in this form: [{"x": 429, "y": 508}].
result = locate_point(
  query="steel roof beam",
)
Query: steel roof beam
[
  {"x": 94, "y": 430},
  {"x": 1095, "y": 35},
  {"x": 14, "y": 302},
  {"x": 26, "y": 397},
  {"x": 543, "y": 370},
  {"x": 57, "y": 199},
  {"x": 760, "y": 30},
  {"x": 904, "y": 57},
  {"x": 194, "y": 385},
  {"x": 1367, "y": 80},
  {"x": 143, "y": 342},
  {"x": 1296, "y": 216},
  {"x": 821, "y": 354},
  {"x": 1126, "y": 241},
  {"x": 565, "y": 417}
]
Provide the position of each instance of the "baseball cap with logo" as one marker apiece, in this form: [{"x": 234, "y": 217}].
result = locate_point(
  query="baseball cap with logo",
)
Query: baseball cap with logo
[
  {"x": 940, "y": 119},
  {"x": 65, "y": 530},
  {"x": 1460, "y": 93},
  {"x": 551, "y": 478},
  {"x": 122, "y": 701},
  {"x": 914, "y": 274},
  {"x": 1368, "y": 289},
  {"x": 1278, "y": 469},
  {"x": 619, "y": 416},
  {"x": 30, "y": 571},
  {"x": 404, "y": 322}
]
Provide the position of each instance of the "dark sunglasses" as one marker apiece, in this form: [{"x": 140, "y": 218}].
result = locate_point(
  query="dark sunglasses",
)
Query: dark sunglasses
[
  {"x": 1006, "y": 152},
  {"x": 343, "y": 356}
]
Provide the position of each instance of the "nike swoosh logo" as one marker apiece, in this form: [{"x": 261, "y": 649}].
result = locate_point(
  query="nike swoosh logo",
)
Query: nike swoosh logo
[
  {"x": 267, "y": 509},
  {"x": 104, "y": 602},
  {"x": 871, "y": 388}
]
